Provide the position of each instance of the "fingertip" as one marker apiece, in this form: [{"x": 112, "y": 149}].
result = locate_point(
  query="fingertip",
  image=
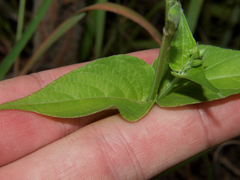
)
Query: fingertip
[{"x": 147, "y": 55}]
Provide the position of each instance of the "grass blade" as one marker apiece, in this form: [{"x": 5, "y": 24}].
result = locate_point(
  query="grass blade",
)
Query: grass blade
[
  {"x": 128, "y": 13},
  {"x": 87, "y": 40},
  {"x": 10, "y": 58},
  {"x": 20, "y": 19},
  {"x": 78, "y": 15},
  {"x": 54, "y": 36},
  {"x": 193, "y": 13},
  {"x": 208, "y": 167},
  {"x": 153, "y": 11},
  {"x": 100, "y": 17},
  {"x": 231, "y": 23},
  {"x": 19, "y": 31}
]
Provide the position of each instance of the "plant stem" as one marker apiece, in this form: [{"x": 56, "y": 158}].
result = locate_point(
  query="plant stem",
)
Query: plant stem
[
  {"x": 159, "y": 73},
  {"x": 169, "y": 87},
  {"x": 169, "y": 4},
  {"x": 160, "y": 64}
]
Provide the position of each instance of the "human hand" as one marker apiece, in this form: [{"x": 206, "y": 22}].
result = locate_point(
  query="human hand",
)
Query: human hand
[{"x": 103, "y": 145}]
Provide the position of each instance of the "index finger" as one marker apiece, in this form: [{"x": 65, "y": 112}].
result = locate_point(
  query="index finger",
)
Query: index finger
[{"x": 23, "y": 132}]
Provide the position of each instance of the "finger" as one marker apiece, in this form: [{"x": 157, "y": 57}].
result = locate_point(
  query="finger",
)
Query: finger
[
  {"x": 23, "y": 132},
  {"x": 116, "y": 149},
  {"x": 147, "y": 55}
]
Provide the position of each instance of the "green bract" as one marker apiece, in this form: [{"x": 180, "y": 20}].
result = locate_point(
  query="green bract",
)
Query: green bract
[
  {"x": 183, "y": 42},
  {"x": 174, "y": 16},
  {"x": 192, "y": 73},
  {"x": 222, "y": 70}
]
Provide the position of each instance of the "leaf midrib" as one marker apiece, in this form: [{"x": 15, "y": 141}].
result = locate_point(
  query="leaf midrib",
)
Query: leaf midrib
[{"x": 139, "y": 102}]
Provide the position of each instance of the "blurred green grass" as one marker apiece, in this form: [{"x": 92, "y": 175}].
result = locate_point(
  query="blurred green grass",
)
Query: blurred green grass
[{"x": 213, "y": 22}]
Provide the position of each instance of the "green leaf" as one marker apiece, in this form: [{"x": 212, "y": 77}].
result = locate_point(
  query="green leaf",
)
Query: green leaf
[
  {"x": 186, "y": 60},
  {"x": 120, "y": 81},
  {"x": 222, "y": 70},
  {"x": 188, "y": 64},
  {"x": 197, "y": 74},
  {"x": 183, "y": 42}
]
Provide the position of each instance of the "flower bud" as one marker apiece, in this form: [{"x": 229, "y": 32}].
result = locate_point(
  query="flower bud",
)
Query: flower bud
[{"x": 174, "y": 16}]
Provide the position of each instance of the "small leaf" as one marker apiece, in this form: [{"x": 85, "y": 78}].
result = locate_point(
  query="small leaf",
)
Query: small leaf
[
  {"x": 120, "y": 81},
  {"x": 222, "y": 68},
  {"x": 197, "y": 75},
  {"x": 183, "y": 42},
  {"x": 186, "y": 92}
]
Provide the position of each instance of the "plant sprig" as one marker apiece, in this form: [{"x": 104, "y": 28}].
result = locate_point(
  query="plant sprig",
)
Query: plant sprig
[
  {"x": 173, "y": 14},
  {"x": 185, "y": 73}
]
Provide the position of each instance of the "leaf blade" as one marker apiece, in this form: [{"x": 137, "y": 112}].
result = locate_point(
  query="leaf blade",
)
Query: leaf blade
[
  {"x": 222, "y": 68},
  {"x": 120, "y": 81},
  {"x": 197, "y": 75},
  {"x": 183, "y": 42}
]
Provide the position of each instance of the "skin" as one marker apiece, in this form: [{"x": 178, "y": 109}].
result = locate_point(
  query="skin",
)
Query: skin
[{"x": 104, "y": 145}]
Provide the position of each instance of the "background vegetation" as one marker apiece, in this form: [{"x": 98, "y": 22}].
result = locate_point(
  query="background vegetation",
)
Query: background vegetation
[{"x": 100, "y": 34}]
